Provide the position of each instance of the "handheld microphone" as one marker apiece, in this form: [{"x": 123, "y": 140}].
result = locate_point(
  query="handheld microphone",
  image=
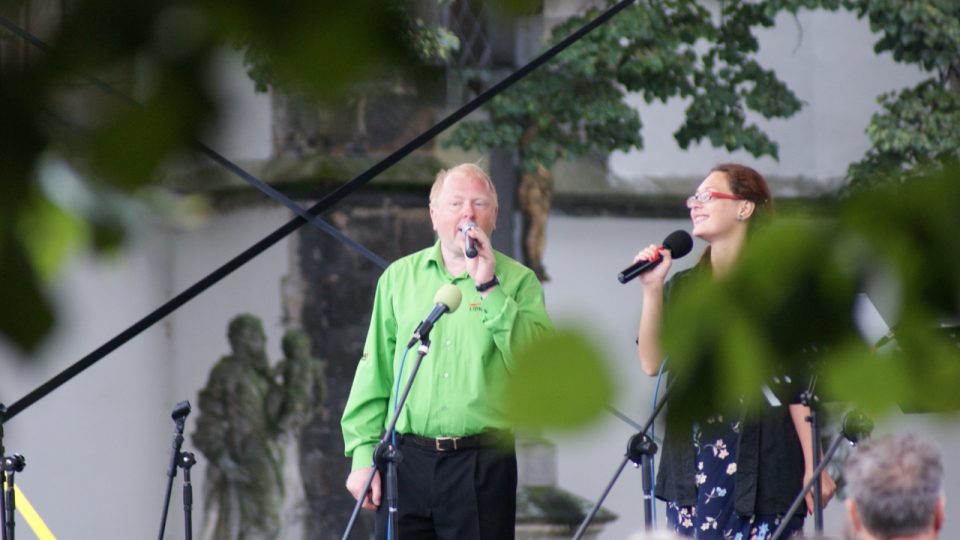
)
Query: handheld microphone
[
  {"x": 469, "y": 248},
  {"x": 678, "y": 242},
  {"x": 447, "y": 300}
]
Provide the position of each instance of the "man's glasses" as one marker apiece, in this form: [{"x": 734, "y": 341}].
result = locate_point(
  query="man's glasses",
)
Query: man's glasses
[{"x": 707, "y": 196}]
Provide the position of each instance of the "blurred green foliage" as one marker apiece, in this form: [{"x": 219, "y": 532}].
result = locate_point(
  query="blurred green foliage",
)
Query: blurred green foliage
[
  {"x": 58, "y": 111},
  {"x": 790, "y": 306},
  {"x": 77, "y": 156},
  {"x": 561, "y": 382}
]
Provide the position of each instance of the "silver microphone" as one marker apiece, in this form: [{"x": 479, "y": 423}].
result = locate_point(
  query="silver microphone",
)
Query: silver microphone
[{"x": 469, "y": 248}]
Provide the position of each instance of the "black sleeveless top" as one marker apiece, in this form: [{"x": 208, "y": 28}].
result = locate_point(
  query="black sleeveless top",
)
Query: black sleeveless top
[{"x": 769, "y": 461}]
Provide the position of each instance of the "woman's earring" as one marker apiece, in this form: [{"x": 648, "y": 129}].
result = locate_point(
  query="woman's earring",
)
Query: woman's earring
[{"x": 740, "y": 217}]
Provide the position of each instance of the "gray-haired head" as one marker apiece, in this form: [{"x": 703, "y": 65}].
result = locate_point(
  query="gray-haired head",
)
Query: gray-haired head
[{"x": 895, "y": 483}]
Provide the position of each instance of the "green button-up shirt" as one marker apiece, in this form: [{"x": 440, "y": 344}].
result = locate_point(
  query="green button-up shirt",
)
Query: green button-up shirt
[{"x": 459, "y": 387}]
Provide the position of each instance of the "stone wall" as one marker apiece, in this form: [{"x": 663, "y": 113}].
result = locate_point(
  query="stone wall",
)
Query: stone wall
[{"x": 337, "y": 288}]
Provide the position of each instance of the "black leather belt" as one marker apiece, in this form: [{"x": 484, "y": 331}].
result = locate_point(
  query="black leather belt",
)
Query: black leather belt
[{"x": 489, "y": 439}]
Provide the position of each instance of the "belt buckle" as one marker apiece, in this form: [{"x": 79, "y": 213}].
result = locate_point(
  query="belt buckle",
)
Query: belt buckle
[{"x": 440, "y": 448}]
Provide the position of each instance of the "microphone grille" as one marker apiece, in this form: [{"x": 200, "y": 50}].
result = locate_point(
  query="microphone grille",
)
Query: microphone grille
[
  {"x": 448, "y": 295},
  {"x": 679, "y": 243}
]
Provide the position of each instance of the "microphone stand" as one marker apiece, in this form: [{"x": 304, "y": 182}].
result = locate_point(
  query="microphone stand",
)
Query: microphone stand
[
  {"x": 3, "y": 476},
  {"x": 9, "y": 465},
  {"x": 387, "y": 453},
  {"x": 187, "y": 460},
  {"x": 640, "y": 451},
  {"x": 809, "y": 399},
  {"x": 179, "y": 415},
  {"x": 855, "y": 426}
]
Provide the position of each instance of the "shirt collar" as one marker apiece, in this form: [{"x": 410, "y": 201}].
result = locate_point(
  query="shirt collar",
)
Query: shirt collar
[{"x": 434, "y": 259}]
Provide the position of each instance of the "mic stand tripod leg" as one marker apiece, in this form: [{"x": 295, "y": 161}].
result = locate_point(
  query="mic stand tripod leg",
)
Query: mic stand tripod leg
[
  {"x": 855, "y": 426},
  {"x": 810, "y": 483},
  {"x": 639, "y": 446},
  {"x": 596, "y": 507},
  {"x": 387, "y": 445}
]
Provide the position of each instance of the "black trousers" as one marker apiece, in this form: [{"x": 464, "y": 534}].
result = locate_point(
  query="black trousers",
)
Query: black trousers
[{"x": 453, "y": 495}]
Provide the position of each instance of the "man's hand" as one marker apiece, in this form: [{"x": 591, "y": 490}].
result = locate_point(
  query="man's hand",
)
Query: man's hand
[
  {"x": 482, "y": 267},
  {"x": 356, "y": 482}
]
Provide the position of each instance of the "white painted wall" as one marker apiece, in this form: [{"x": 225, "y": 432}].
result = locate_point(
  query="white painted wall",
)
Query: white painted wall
[
  {"x": 246, "y": 117},
  {"x": 87, "y": 444},
  {"x": 98, "y": 448}
]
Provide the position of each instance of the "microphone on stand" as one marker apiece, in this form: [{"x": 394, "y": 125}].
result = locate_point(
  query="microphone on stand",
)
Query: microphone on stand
[
  {"x": 678, "y": 242},
  {"x": 469, "y": 248},
  {"x": 447, "y": 300}
]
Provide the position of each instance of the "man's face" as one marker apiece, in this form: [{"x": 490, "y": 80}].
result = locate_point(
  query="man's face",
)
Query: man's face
[{"x": 463, "y": 197}]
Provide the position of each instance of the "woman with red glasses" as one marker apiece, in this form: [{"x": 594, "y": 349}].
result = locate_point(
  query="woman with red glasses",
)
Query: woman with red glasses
[{"x": 738, "y": 475}]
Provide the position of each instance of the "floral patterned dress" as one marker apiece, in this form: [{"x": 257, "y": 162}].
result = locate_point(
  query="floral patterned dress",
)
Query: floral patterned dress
[{"x": 714, "y": 517}]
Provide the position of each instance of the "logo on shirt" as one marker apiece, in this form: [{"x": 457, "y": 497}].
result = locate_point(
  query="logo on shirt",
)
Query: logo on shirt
[{"x": 473, "y": 306}]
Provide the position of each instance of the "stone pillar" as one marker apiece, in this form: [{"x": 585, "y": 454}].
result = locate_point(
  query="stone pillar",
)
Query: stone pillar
[{"x": 544, "y": 510}]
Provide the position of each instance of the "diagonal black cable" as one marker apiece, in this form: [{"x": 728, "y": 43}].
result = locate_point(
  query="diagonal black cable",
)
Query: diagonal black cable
[
  {"x": 321, "y": 206},
  {"x": 213, "y": 155}
]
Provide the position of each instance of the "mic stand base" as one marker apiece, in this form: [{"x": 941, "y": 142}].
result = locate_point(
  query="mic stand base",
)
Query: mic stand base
[{"x": 640, "y": 450}]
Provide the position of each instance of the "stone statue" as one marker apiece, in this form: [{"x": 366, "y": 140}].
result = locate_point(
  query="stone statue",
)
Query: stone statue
[
  {"x": 236, "y": 432},
  {"x": 301, "y": 383}
]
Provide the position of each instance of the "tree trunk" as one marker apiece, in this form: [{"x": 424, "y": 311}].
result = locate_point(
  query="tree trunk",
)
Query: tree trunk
[{"x": 534, "y": 194}]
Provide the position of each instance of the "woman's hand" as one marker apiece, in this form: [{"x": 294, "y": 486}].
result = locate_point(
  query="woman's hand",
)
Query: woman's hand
[
  {"x": 657, "y": 274},
  {"x": 827, "y": 488}
]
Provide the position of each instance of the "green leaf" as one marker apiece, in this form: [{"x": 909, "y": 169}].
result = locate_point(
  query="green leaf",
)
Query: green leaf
[{"x": 559, "y": 382}]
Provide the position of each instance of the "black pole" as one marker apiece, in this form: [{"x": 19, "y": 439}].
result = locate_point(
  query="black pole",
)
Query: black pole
[
  {"x": 596, "y": 507},
  {"x": 639, "y": 445},
  {"x": 187, "y": 460},
  {"x": 809, "y": 398},
  {"x": 179, "y": 415},
  {"x": 10, "y": 465},
  {"x": 647, "y": 450},
  {"x": 389, "y": 453},
  {"x": 9, "y": 503},
  {"x": 817, "y": 481},
  {"x": 3, "y": 474}
]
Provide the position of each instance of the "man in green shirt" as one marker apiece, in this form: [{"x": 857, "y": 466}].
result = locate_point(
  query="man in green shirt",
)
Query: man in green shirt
[{"x": 455, "y": 480}]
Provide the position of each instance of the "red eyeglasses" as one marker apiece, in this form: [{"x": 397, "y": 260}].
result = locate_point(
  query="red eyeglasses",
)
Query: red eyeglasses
[{"x": 707, "y": 196}]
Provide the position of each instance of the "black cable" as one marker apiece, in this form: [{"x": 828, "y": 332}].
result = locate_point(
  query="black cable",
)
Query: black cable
[
  {"x": 214, "y": 155},
  {"x": 321, "y": 206}
]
